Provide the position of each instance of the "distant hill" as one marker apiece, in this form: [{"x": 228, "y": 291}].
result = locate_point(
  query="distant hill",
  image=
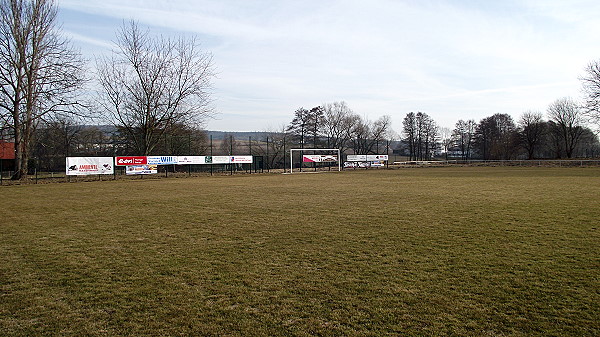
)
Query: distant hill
[{"x": 217, "y": 135}]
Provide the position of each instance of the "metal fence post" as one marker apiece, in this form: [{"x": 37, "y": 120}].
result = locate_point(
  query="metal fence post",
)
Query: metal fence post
[{"x": 284, "y": 153}]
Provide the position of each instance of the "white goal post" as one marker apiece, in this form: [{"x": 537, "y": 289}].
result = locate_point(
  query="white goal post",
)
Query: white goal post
[{"x": 339, "y": 158}]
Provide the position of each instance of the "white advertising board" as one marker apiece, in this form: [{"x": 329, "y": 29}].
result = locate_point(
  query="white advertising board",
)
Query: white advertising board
[
  {"x": 240, "y": 159},
  {"x": 195, "y": 160},
  {"x": 356, "y": 157},
  {"x": 82, "y": 166},
  {"x": 141, "y": 169},
  {"x": 377, "y": 157},
  {"x": 220, "y": 159},
  {"x": 369, "y": 157},
  {"x": 161, "y": 160}
]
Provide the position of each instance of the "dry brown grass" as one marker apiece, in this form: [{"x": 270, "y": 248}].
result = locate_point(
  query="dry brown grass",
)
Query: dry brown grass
[{"x": 438, "y": 251}]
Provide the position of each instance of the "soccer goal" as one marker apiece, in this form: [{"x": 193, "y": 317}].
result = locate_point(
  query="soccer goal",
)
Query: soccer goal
[{"x": 316, "y": 158}]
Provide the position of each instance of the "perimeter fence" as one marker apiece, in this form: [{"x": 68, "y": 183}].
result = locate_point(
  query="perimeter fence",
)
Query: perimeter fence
[{"x": 259, "y": 166}]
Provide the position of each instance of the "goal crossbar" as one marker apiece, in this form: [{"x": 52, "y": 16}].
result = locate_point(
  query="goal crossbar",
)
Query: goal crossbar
[{"x": 323, "y": 150}]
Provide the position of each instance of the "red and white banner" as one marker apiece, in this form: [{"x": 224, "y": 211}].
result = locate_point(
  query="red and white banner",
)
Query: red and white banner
[
  {"x": 83, "y": 166},
  {"x": 318, "y": 158},
  {"x": 240, "y": 159},
  {"x": 126, "y": 161}
]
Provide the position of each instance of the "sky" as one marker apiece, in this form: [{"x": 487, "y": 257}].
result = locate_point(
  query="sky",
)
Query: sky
[{"x": 453, "y": 60}]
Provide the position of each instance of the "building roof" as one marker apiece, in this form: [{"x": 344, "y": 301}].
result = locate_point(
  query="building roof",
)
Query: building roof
[{"x": 7, "y": 150}]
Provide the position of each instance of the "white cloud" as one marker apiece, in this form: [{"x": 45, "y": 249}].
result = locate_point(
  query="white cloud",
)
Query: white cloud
[{"x": 451, "y": 59}]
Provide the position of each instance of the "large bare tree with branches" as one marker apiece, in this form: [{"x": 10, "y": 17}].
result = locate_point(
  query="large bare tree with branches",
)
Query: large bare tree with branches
[
  {"x": 338, "y": 122},
  {"x": 591, "y": 88},
  {"x": 463, "y": 136},
  {"x": 40, "y": 73},
  {"x": 532, "y": 130},
  {"x": 567, "y": 123},
  {"x": 150, "y": 84}
]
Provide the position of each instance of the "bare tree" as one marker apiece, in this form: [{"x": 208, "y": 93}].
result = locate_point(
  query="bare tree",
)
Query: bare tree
[
  {"x": 445, "y": 139},
  {"x": 366, "y": 136},
  {"x": 56, "y": 139},
  {"x": 40, "y": 73},
  {"x": 496, "y": 137},
  {"x": 591, "y": 88},
  {"x": 409, "y": 129},
  {"x": 567, "y": 117},
  {"x": 338, "y": 122},
  {"x": 532, "y": 130},
  {"x": 183, "y": 140},
  {"x": 150, "y": 84},
  {"x": 427, "y": 132},
  {"x": 421, "y": 134},
  {"x": 463, "y": 136},
  {"x": 272, "y": 147},
  {"x": 228, "y": 145}
]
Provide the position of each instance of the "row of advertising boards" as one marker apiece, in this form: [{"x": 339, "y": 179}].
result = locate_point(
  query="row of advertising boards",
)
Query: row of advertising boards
[
  {"x": 181, "y": 160},
  {"x": 143, "y": 164},
  {"x": 149, "y": 164}
]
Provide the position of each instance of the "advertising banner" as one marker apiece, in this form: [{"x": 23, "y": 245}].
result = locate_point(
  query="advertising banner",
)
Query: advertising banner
[
  {"x": 82, "y": 166},
  {"x": 377, "y": 157},
  {"x": 124, "y": 161},
  {"x": 362, "y": 164},
  {"x": 356, "y": 157},
  {"x": 319, "y": 158},
  {"x": 241, "y": 159},
  {"x": 161, "y": 160},
  {"x": 142, "y": 169},
  {"x": 220, "y": 160},
  {"x": 195, "y": 160},
  {"x": 369, "y": 157}
]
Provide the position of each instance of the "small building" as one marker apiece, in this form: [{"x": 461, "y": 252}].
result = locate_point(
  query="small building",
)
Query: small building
[
  {"x": 7, "y": 155},
  {"x": 7, "y": 150}
]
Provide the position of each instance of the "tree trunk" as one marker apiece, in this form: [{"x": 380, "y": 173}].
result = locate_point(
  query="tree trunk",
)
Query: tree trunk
[{"x": 21, "y": 156}]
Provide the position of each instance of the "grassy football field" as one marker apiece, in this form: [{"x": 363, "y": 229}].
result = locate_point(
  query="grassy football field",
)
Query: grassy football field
[{"x": 430, "y": 251}]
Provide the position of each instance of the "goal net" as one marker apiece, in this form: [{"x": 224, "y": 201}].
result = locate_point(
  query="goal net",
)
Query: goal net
[{"x": 317, "y": 156}]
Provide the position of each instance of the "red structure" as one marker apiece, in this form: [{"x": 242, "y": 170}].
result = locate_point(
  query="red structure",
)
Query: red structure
[{"x": 7, "y": 150}]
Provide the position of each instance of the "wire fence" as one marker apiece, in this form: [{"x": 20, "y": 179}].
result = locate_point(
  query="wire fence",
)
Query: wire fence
[
  {"x": 523, "y": 163},
  {"x": 259, "y": 166}
]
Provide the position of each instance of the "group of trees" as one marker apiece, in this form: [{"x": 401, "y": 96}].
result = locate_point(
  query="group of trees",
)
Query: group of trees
[
  {"x": 148, "y": 87},
  {"x": 335, "y": 125},
  {"x": 498, "y": 137},
  {"x": 40, "y": 73},
  {"x": 330, "y": 125},
  {"x": 421, "y": 134}
]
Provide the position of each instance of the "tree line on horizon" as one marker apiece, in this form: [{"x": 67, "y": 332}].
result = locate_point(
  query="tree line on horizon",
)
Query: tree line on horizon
[
  {"x": 155, "y": 91},
  {"x": 498, "y": 137}
]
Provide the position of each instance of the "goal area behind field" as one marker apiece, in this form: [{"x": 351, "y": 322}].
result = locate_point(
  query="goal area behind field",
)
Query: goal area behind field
[{"x": 316, "y": 158}]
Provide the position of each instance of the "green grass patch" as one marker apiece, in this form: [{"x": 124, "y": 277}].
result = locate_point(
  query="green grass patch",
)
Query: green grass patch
[{"x": 437, "y": 251}]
